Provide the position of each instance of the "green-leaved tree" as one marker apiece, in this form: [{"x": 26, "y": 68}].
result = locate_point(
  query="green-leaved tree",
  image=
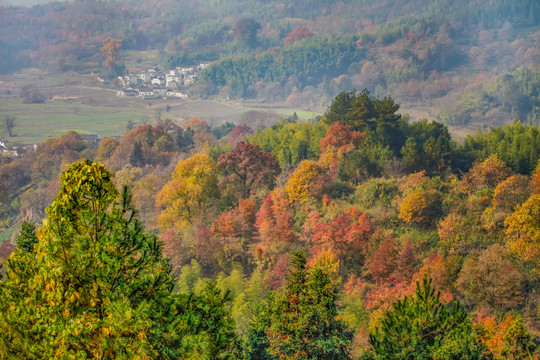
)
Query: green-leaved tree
[
  {"x": 98, "y": 287},
  {"x": 302, "y": 321},
  {"x": 421, "y": 327},
  {"x": 27, "y": 236}
]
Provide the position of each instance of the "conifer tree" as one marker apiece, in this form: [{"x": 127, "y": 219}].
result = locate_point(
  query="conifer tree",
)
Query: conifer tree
[
  {"x": 302, "y": 320},
  {"x": 95, "y": 283},
  {"x": 97, "y": 286},
  {"x": 421, "y": 327},
  {"x": 136, "y": 157},
  {"x": 256, "y": 346},
  {"x": 27, "y": 236}
]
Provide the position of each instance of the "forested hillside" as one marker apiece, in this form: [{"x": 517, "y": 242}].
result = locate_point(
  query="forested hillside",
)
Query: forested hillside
[
  {"x": 459, "y": 60},
  {"x": 357, "y": 235}
]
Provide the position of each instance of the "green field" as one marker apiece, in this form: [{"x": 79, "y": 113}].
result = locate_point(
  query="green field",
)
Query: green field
[
  {"x": 78, "y": 102},
  {"x": 302, "y": 114},
  {"x": 36, "y": 122}
]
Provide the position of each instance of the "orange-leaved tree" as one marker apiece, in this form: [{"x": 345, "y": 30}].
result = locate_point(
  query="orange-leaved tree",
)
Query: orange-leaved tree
[
  {"x": 338, "y": 141},
  {"x": 297, "y": 34},
  {"x": 232, "y": 232},
  {"x": 196, "y": 124},
  {"x": 511, "y": 192},
  {"x": 507, "y": 338},
  {"x": 111, "y": 51},
  {"x": 346, "y": 235},
  {"x": 489, "y": 172},
  {"x": 274, "y": 223}
]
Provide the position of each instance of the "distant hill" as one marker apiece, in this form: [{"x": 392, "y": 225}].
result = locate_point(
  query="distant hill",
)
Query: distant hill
[
  {"x": 26, "y": 3},
  {"x": 424, "y": 53}
]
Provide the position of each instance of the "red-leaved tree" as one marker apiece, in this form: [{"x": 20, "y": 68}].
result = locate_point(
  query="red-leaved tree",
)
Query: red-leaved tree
[
  {"x": 405, "y": 264},
  {"x": 338, "y": 141},
  {"x": 346, "y": 235},
  {"x": 232, "y": 232},
  {"x": 239, "y": 133},
  {"x": 274, "y": 223},
  {"x": 297, "y": 34},
  {"x": 248, "y": 167},
  {"x": 383, "y": 261}
]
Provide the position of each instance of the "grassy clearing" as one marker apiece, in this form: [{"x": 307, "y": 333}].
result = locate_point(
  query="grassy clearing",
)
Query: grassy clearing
[
  {"x": 96, "y": 110},
  {"x": 36, "y": 122},
  {"x": 302, "y": 114},
  {"x": 238, "y": 108}
]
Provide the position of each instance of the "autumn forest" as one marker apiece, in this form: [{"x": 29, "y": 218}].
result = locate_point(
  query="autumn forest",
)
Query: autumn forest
[
  {"x": 352, "y": 236},
  {"x": 363, "y": 233}
]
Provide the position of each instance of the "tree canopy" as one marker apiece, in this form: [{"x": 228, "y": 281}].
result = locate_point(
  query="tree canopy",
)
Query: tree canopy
[
  {"x": 97, "y": 286},
  {"x": 421, "y": 327}
]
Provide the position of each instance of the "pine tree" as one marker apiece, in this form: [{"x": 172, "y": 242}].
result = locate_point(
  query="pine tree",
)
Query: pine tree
[
  {"x": 27, "y": 236},
  {"x": 210, "y": 326},
  {"x": 339, "y": 108},
  {"x": 96, "y": 279},
  {"x": 150, "y": 140},
  {"x": 256, "y": 346},
  {"x": 303, "y": 322},
  {"x": 136, "y": 157},
  {"x": 97, "y": 286},
  {"x": 421, "y": 327}
]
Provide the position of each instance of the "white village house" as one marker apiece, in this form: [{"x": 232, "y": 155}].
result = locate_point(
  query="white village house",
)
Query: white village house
[{"x": 153, "y": 82}]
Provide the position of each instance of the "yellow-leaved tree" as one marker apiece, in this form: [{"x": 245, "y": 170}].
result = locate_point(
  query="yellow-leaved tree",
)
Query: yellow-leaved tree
[
  {"x": 535, "y": 181},
  {"x": 193, "y": 187},
  {"x": 523, "y": 230},
  {"x": 420, "y": 207},
  {"x": 419, "y": 204},
  {"x": 305, "y": 181}
]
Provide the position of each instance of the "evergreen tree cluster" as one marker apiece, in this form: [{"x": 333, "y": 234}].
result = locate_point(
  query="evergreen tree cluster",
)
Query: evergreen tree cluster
[{"x": 306, "y": 61}]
